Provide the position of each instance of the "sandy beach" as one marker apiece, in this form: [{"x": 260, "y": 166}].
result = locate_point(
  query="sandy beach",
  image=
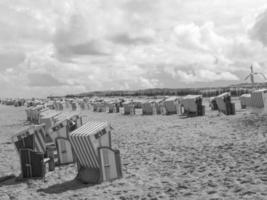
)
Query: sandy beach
[{"x": 163, "y": 157}]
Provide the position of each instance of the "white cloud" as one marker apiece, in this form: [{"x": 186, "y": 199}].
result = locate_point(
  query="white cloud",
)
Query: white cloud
[{"x": 127, "y": 44}]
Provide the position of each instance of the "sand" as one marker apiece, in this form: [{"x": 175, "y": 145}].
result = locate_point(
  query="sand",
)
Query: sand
[{"x": 163, "y": 157}]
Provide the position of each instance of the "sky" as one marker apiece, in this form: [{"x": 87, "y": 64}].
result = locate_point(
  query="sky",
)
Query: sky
[{"x": 63, "y": 47}]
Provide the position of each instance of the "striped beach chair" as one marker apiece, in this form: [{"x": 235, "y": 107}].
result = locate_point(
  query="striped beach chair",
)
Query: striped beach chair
[
  {"x": 96, "y": 160},
  {"x": 31, "y": 148}
]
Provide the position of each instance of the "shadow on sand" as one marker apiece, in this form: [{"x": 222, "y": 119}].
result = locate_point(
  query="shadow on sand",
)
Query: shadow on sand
[
  {"x": 9, "y": 180},
  {"x": 63, "y": 187}
]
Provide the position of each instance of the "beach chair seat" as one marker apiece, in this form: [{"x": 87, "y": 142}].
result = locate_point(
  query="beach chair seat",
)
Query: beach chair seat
[{"x": 96, "y": 160}]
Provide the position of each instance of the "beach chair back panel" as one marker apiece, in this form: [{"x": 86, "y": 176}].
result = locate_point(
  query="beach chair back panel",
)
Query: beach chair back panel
[{"x": 64, "y": 149}]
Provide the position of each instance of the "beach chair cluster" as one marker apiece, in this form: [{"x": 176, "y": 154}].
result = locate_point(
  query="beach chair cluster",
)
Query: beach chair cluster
[{"x": 68, "y": 140}]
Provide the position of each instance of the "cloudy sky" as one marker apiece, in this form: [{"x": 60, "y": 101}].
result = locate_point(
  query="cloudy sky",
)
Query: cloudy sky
[{"x": 69, "y": 46}]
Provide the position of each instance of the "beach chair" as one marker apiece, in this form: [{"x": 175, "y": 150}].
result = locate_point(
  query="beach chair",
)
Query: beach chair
[
  {"x": 32, "y": 137},
  {"x": 31, "y": 148},
  {"x": 59, "y": 134},
  {"x": 96, "y": 160},
  {"x": 224, "y": 104},
  {"x": 170, "y": 106},
  {"x": 192, "y": 105},
  {"x": 147, "y": 108},
  {"x": 259, "y": 101},
  {"x": 245, "y": 101}
]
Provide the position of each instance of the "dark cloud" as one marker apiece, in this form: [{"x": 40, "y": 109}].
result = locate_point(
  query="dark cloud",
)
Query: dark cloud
[
  {"x": 259, "y": 29},
  {"x": 43, "y": 80},
  {"x": 126, "y": 39},
  {"x": 87, "y": 48}
]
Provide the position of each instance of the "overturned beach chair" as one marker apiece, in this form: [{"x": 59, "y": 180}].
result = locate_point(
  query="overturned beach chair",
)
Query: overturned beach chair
[
  {"x": 192, "y": 105},
  {"x": 31, "y": 148},
  {"x": 96, "y": 160},
  {"x": 224, "y": 104}
]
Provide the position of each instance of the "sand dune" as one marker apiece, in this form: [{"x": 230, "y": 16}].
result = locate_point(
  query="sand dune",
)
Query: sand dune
[{"x": 163, "y": 157}]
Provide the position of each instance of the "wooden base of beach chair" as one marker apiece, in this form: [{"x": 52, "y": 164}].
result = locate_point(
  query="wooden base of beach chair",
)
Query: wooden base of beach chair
[
  {"x": 88, "y": 175},
  {"x": 32, "y": 164}
]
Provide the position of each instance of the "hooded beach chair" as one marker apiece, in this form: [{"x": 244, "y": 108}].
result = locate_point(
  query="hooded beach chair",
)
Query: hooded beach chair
[
  {"x": 259, "y": 101},
  {"x": 147, "y": 108},
  {"x": 245, "y": 100},
  {"x": 127, "y": 108},
  {"x": 192, "y": 105},
  {"x": 224, "y": 104},
  {"x": 31, "y": 148},
  {"x": 59, "y": 134},
  {"x": 96, "y": 160},
  {"x": 171, "y": 106}
]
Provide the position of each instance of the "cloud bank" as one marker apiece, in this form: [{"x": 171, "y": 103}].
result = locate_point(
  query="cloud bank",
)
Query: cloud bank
[{"x": 60, "y": 47}]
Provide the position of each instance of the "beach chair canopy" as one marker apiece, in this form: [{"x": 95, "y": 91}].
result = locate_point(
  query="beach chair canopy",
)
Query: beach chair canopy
[
  {"x": 32, "y": 137},
  {"x": 87, "y": 139}
]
